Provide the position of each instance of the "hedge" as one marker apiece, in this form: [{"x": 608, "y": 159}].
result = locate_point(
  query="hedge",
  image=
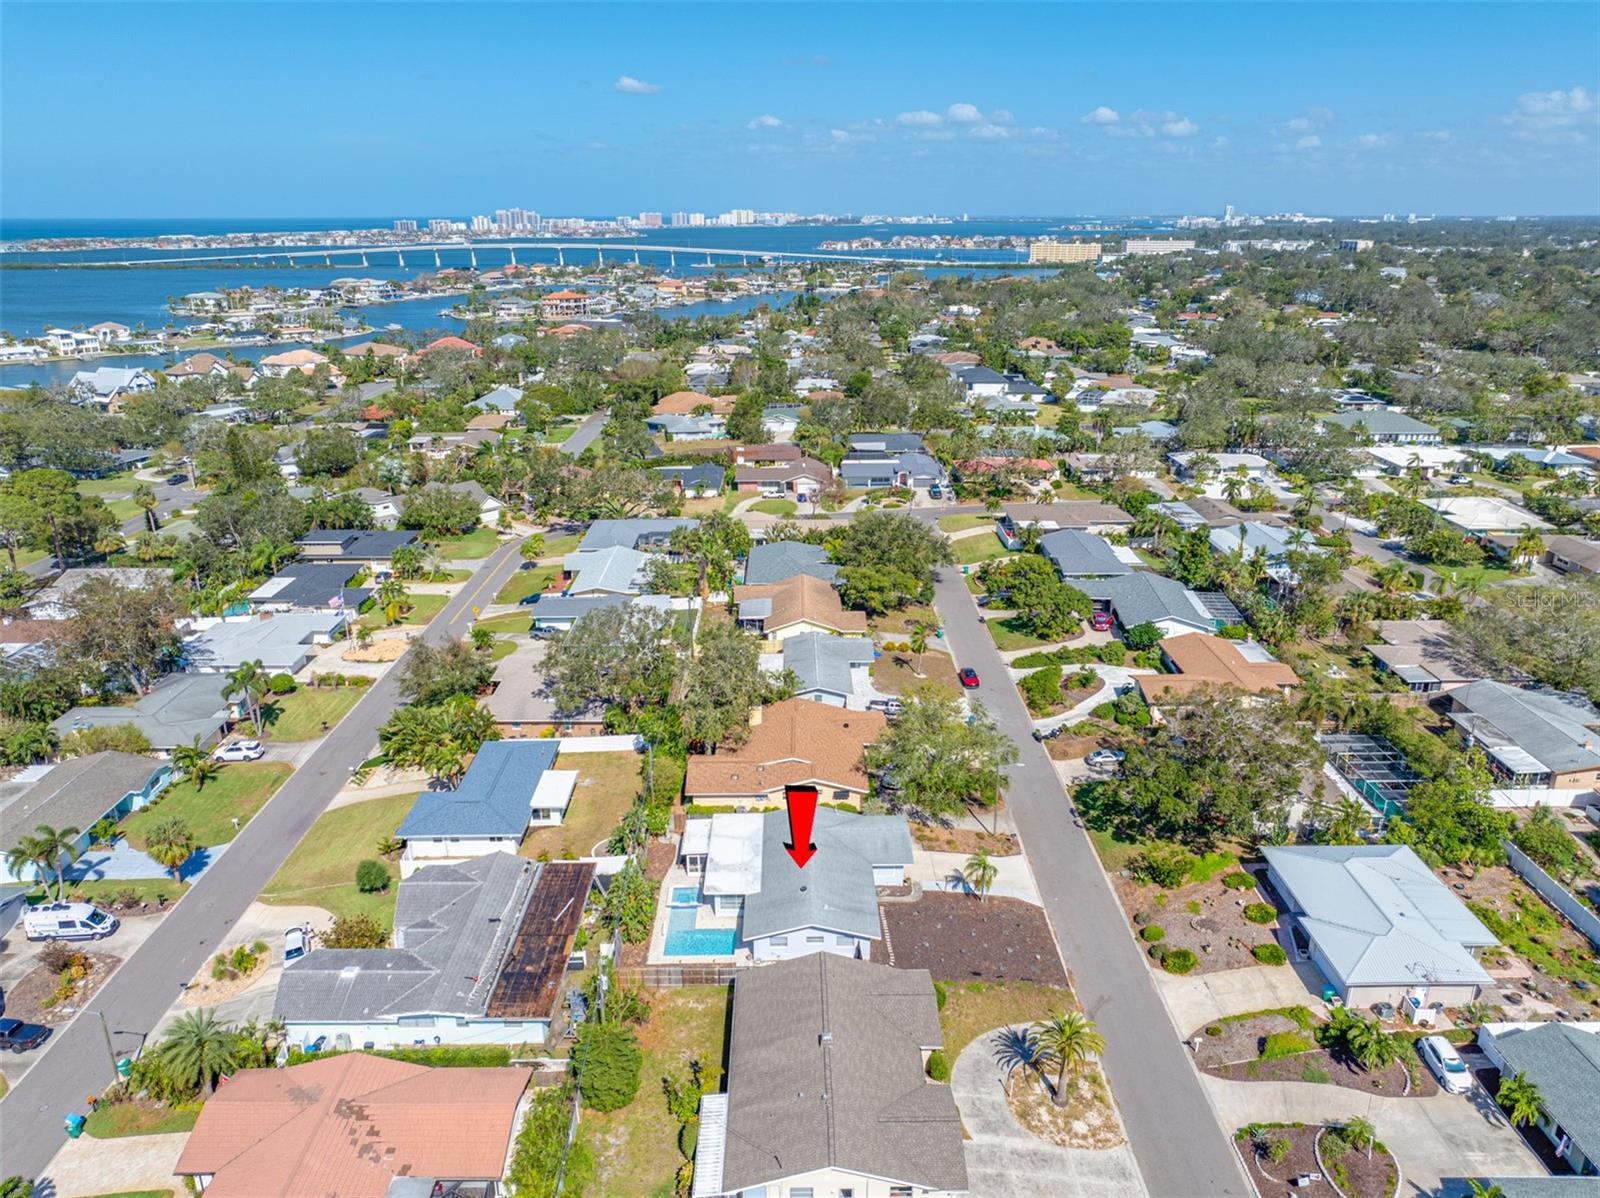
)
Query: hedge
[{"x": 938, "y": 1067}]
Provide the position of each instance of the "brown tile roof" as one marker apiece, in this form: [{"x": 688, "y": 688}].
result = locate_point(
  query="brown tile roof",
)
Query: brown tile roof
[
  {"x": 796, "y": 741},
  {"x": 489, "y": 420},
  {"x": 346, "y": 1126},
  {"x": 801, "y": 468},
  {"x": 683, "y": 403},
  {"x": 748, "y": 454},
  {"x": 378, "y": 349},
  {"x": 1212, "y": 661},
  {"x": 28, "y": 632},
  {"x": 803, "y": 598},
  {"x": 957, "y": 357}
]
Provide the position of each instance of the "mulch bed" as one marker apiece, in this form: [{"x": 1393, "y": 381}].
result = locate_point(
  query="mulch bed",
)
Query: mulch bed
[
  {"x": 1067, "y": 747},
  {"x": 958, "y": 937},
  {"x": 25, "y": 1000},
  {"x": 1358, "y": 1177},
  {"x": 658, "y": 858},
  {"x": 1388, "y": 1083},
  {"x": 964, "y": 840},
  {"x": 1219, "y": 935}
]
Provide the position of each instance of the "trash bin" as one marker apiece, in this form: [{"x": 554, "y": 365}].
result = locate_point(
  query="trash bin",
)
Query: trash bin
[
  {"x": 124, "y": 1067},
  {"x": 74, "y": 1126}
]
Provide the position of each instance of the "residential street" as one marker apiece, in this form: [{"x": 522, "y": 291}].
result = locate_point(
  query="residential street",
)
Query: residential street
[
  {"x": 586, "y": 434},
  {"x": 1171, "y": 1126},
  {"x": 139, "y": 994}
]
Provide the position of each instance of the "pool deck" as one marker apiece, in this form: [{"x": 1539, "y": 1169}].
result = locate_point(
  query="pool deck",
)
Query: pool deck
[{"x": 678, "y": 878}]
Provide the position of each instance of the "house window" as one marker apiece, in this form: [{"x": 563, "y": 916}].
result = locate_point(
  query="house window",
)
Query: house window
[
  {"x": 815, "y": 939},
  {"x": 899, "y": 1192},
  {"x": 800, "y": 1192},
  {"x": 779, "y": 941},
  {"x": 844, "y": 940}
]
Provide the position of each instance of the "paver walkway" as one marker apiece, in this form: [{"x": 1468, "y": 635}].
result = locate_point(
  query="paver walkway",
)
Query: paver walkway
[
  {"x": 87, "y": 1166},
  {"x": 1006, "y": 1161}
]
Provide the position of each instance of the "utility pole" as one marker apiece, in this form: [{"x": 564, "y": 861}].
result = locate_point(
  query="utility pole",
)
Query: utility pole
[{"x": 106, "y": 1029}]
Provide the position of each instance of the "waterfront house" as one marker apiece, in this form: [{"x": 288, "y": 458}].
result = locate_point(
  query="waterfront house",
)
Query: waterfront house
[
  {"x": 828, "y": 1090},
  {"x": 67, "y": 342},
  {"x": 107, "y": 386},
  {"x": 564, "y": 304}
]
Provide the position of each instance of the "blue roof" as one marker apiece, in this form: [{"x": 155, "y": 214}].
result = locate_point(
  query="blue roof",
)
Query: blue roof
[{"x": 493, "y": 798}]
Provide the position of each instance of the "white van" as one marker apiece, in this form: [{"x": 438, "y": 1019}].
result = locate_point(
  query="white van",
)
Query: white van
[{"x": 68, "y": 921}]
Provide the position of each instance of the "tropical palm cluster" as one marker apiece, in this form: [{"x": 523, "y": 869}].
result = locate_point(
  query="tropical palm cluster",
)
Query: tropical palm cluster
[
  {"x": 49, "y": 851},
  {"x": 437, "y": 738}
]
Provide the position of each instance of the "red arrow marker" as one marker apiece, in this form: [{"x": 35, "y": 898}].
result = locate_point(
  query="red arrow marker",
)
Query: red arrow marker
[{"x": 802, "y": 812}]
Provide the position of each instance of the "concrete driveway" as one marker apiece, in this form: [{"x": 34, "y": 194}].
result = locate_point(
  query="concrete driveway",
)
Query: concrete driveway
[
  {"x": 942, "y": 871},
  {"x": 132, "y": 1164},
  {"x": 1006, "y": 1161},
  {"x": 1199, "y": 999},
  {"x": 1448, "y": 1135}
]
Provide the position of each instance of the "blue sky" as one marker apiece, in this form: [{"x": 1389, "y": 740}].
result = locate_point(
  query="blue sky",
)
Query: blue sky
[{"x": 424, "y": 109}]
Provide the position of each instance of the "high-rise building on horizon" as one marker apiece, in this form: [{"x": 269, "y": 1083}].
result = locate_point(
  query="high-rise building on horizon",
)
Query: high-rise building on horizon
[
  {"x": 405, "y": 226},
  {"x": 481, "y": 224},
  {"x": 1142, "y": 246},
  {"x": 1051, "y": 250},
  {"x": 649, "y": 220}
]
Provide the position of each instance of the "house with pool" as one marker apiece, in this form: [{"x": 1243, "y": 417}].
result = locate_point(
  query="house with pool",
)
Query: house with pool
[{"x": 737, "y": 896}]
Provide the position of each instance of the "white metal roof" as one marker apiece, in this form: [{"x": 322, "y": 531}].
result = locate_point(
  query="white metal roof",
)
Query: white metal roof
[
  {"x": 554, "y": 790},
  {"x": 733, "y": 862}
]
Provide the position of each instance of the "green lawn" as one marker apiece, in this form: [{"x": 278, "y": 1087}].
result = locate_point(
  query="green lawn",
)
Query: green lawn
[
  {"x": 557, "y": 435},
  {"x": 423, "y": 609},
  {"x": 301, "y": 715},
  {"x": 1048, "y": 416},
  {"x": 124, "y": 509},
  {"x": 972, "y": 1008},
  {"x": 560, "y": 546},
  {"x": 969, "y": 550},
  {"x": 136, "y": 1119},
  {"x": 963, "y": 522},
  {"x": 502, "y": 648},
  {"x": 236, "y": 793},
  {"x": 636, "y": 1148},
  {"x": 480, "y": 542},
  {"x": 1065, "y": 490},
  {"x": 112, "y": 484},
  {"x": 321, "y": 871},
  {"x": 144, "y": 890},
  {"x": 774, "y": 507},
  {"x": 1008, "y": 635},
  {"x": 528, "y": 582},
  {"x": 1490, "y": 572},
  {"x": 608, "y": 784},
  {"x": 511, "y": 621}
]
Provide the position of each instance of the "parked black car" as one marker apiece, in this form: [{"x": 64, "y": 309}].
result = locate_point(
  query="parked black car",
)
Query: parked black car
[{"x": 20, "y": 1037}]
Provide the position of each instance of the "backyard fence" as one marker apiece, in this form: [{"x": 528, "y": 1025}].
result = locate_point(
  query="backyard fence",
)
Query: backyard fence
[
  {"x": 1554, "y": 893},
  {"x": 627, "y": 743}
]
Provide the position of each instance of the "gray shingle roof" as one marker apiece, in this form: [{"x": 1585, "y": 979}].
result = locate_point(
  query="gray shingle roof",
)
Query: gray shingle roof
[
  {"x": 1077, "y": 554},
  {"x": 1380, "y": 422},
  {"x": 312, "y": 584},
  {"x": 1552, "y": 728},
  {"x": 74, "y": 794},
  {"x": 1149, "y": 598},
  {"x": 1564, "y": 1062},
  {"x": 453, "y": 925},
  {"x": 822, "y": 661},
  {"x": 503, "y": 398},
  {"x": 889, "y": 442},
  {"x": 378, "y": 545},
  {"x": 493, "y": 797},
  {"x": 835, "y": 890},
  {"x": 1379, "y": 915},
  {"x": 630, "y": 534},
  {"x": 775, "y": 561},
  {"x": 698, "y": 477},
  {"x": 178, "y": 708},
  {"x": 825, "y": 1069}
]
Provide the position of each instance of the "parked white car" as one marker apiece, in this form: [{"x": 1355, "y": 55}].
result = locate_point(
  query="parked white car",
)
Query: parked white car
[
  {"x": 1446, "y": 1064},
  {"x": 295, "y": 943},
  {"x": 239, "y": 750}
]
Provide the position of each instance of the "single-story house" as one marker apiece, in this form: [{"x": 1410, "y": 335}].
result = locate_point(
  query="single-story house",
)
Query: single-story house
[
  {"x": 54, "y": 602},
  {"x": 1271, "y": 542},
  {"x": 828, "y": 1091},
  {"x": 693, "y": 482},
  {"x": 374, "y": 550},
  {"x": 1145, "y": 598},
  {"x": 488, "y": 506},
  {"x": 1251, "y": 467},
  {"x": 355, "y": 1125},
  {"x": 278, "y": 643},
  {"x": 480, "y": 951},
  {"x": 1558, "y": 461},
  {"x": 792, "y": 743},
  {"x": 614, "y": 571},
  {"x": 872, "y": 469},
  {"x": 179, "y": 709},
  {"x": 1386, "y": 427},
  {"x": 802, "y": 478},
  {"x": 687, "y": 403},
  {"x": 1077, "y": 554},
  {"x": 384, "y": 505},
  {"x": 639, "y": 533},
  {"x": 1423, "y": 654},
  {"x": 1572, "y": 555},
  {"x": 796, "y": 605},
  {"x": 519, "y": 699},
  {"x": 1378, "y": 924},
  {"x": 1198, "y": 660},
  {"x": 830, "y": 906},
  {"x": 311, "y": 586},
  {"x": 503, "y": 398},
  {"x": 1541, "y": 744},
  {"x": 780, "y": 422},
  {"x": 776, "y": 561},
  {"x": 198, "y": 366},
  {"x": 1563, "y": 1061},
  {"x": 508, "y": 788},
  {"x": 1082, "y": 515},
  {"x": 76, "y": 793},
  {"x": 880, "y": 442},
  {"x": 1484, "y": 516},
  {"x": 830, "y": 669},
  {"x": 1425, "y": 460},
  {"x": 672, "y": 427}
]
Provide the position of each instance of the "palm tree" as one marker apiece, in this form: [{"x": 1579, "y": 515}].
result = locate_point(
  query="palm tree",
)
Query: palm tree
[
  {"x": 1359, "y": 1133},
  {"x": 186, "y": 759},
  {"x": 1528, "y": 547},
  {"x": 1233, "y": 488},
  {"x": 979, "y": 872},
  {"x": 144, "y": 498},
  {"x": 170, "y": 843},
  {"x": 1069, "y": 1040},
  {"x": 1017, "y": 1048},
  {"x": 1371, "y": 1046},
  {"x": 248, "y": 683},
  {"x": 1393, "y": 576},
  {"x": 1520, "y": 1099},
  {"x": 198, "y": 1049},
  {"x": 1479, "y": 1190},
  {"x": 919, "y": 643},
  {"x": 391, "y": 596},
  {"x": 53, "y": 849}
]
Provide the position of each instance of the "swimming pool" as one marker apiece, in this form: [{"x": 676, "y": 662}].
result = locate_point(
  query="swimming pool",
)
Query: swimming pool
[
  {"x": 686, "y": 940},
  {"x": 685, "y": 896}
]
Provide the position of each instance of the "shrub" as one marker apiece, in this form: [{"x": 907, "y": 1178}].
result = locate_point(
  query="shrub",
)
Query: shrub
[
  {"x": 1314, "y": 1075},
  {"x": 1238, "y": 880},
  {"x": 1112, "y": 653},
  {"x": 1155, "y": 932},
  {"x": 607, "y": 1061},
  {"x": 1179, "y": 960},
  {"x": 1269, "y": 954},
  {"x": 57, "y": 955},
  {"x": 940, "y": 995},
  {"x": 1262, "y": 913},
  {"x": 1333, "y": 1148},
  {"x": 1141, "y": 918},
  {"x": 1284, "y": 1044},
  {"x": 1213, "y": 1029},
  {"x": 372, "y": 877},
  {"x": 1041, "y": 689},
  {"x": 1158, "y": 952},
  {"x": 938, "y": 1067},
  {"x": 1278, "y": 1149},
  {"x": 1163, "y": 864},
  {"x": 355, "y": 931},
  {"x": 281, "y": 684}
]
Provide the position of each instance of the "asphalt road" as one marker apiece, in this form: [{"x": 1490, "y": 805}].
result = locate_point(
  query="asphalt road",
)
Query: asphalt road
[
  {"x": 169, "y": 499},
  {"x": 586, "y": 433},
  {"x": 139, "y": 993},
  {"x": 1175, "y": 1136}
]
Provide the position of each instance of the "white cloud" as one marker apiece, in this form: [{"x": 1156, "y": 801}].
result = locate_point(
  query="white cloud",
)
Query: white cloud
[
  {"x": 766, "y": 121},
  {"x": 1560, "y": 117},
  {"x": 1182, "y": 127},
  {"x": 1310, "y": 142},
  {"x": 1298, "y": 124},
  {"x": 1437, "y": 135},
  {"x": 1147, "y": 123},
  {"x": 1001, "y": 117},
  {"x": 635, "y": 87},
  {"x": 1102, "y": 116},
  {"x": 990, "y": 132},
  {"x": 964, "y": 114},
  {"x": 1309, "y": 121},
  {"x": 1372, "y": 141},
  {"x": 1219, "y": 143},
  {"x": 1555, "y": 103},
  {"x": 919, "y": 117}
]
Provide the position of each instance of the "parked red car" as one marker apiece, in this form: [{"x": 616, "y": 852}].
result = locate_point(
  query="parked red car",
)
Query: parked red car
[
  {"x": 968, "y": 678},
  {"x": 1100, "y": 621}
]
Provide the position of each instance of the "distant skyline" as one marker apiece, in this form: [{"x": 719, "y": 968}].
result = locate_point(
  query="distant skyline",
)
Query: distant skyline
[{"x": 419, "y": 110}]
